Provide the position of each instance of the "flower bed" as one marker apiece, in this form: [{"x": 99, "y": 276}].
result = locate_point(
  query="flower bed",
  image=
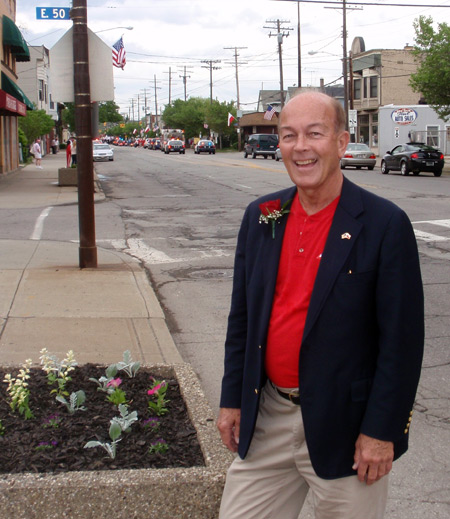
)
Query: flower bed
[{"x": 185, "y": 481}]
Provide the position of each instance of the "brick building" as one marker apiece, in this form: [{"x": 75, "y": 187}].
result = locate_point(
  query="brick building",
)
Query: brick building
[{"x": 13, "y": 102}]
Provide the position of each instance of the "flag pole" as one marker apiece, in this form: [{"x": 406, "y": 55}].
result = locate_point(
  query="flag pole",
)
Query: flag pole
[{"x": 83, "y": 128}]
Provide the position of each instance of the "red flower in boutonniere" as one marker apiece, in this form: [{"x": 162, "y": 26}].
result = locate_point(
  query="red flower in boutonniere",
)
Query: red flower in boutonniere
[{"x": 272, "y": 211}]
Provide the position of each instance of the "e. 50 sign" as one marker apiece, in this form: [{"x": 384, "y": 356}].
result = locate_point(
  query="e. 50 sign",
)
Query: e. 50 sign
[{"x": 52, "y": 13}]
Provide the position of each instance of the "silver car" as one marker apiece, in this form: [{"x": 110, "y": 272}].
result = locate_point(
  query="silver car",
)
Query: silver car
[
  {"x": 102, "y": 152},
  {"x": 359, "y": 156}
]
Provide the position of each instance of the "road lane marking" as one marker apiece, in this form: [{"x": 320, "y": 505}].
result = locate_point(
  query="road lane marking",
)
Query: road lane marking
[
  {"x": 442, "y": 223},
  {"x": 39, "y": 225},
  {"x": 427, "y": 236}
]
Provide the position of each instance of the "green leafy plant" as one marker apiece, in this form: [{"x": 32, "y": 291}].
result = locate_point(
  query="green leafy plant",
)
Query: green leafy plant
[
  {"x": 58, "y": 371},
  {"x": 116, "y": 395},
  {"x": 126, "y": 419},
  {"x": 127, "y": 365},
  {"x": 52, "y": 421},
  {"x": 19, "y": 392},
  {"x": 158, "y": 447},
  {"x": 158, "y": 392},
  {"x": 75, "y": 402},
  {"x": 42, "y": 446},
  {"x": 152, "y": 423}
]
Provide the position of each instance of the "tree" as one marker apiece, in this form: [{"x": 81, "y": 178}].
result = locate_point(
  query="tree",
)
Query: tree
[
  {"x": 68, "y": 116},
  {"x": 108, "y": 112},
  {"x": 217, "y": 119},
  {"x": 35, "y": 124},
  {"x": 186, "y": 115},
  {"x": 432, "y": 78}
]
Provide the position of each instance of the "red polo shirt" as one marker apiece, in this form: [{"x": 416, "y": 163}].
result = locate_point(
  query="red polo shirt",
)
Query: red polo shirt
[{"x": 303, "y": 244}]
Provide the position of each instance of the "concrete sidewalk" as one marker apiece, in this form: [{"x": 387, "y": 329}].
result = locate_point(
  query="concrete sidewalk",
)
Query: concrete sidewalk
[{"x": 47, "y": 301}]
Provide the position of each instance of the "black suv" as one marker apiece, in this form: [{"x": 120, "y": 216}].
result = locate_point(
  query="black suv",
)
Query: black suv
[{"x": 264, "y": 144}]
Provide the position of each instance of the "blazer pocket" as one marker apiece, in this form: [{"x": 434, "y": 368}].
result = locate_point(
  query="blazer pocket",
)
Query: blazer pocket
[{"x": 361, "y": 389}]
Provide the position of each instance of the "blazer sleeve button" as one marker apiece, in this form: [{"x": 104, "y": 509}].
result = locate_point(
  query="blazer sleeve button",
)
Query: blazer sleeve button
[{"x": 256, "y": 391}]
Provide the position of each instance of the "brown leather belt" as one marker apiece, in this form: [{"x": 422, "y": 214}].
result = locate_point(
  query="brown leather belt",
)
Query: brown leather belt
[{"x": 293, "y": 396}]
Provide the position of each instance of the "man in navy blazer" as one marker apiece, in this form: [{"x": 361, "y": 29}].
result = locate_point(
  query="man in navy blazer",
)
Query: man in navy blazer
[{"x": 337, "y": 431}]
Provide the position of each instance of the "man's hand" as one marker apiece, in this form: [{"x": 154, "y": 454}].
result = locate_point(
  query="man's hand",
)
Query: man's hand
[
  {"x": 228, "y": 424},
  {"x": 373, "y": 458}
]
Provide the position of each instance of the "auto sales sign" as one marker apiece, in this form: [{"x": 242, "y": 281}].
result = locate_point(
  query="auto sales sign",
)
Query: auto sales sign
[{"x": 404, "y": 116}]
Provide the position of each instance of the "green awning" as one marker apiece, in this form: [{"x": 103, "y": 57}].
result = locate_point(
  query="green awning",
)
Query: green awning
[
  {"x": 14, "y": 90},
  {"x": 13, "y": 37}
]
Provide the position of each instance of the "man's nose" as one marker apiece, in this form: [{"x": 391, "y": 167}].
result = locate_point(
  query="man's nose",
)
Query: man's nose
[{"x": 301, "y": 142}]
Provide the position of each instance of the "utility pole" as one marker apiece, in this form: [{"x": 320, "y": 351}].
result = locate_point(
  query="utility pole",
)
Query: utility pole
[
  {"x": 280, "y": 34},
  {"x": 345, "y": 57},
  {"x": 83, "y": 127},
  {"x": 156, "y": 102},
  {"x": 184, "y": 76},
  {"x": 299, "y": 52},
  {"x": 344, "y": 60},
  {"x": 210, "y": 65},
  {"x": 170, "y": 84},
  {"x": 236, "y": 65}
]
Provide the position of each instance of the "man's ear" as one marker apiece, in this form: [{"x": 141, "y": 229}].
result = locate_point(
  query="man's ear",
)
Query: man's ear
[{"x": 343, "y": 140}]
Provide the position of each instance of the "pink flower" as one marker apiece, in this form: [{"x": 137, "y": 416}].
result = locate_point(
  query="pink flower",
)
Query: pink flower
[
  {"x": 115, "y": 383},
  {"x": 154, "y": 390}
]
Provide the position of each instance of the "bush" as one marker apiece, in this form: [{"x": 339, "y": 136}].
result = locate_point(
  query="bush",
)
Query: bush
[{"x": 25, "y": 146}]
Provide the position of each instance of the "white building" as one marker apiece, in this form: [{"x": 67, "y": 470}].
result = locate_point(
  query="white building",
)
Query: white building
[{"x": 399, "y": 124}]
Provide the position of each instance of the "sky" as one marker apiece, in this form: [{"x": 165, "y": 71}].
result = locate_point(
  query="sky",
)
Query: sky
[{"x": 176, "y": 38}]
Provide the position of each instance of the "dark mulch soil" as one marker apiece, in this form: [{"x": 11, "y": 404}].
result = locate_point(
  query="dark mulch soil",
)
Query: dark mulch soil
[{"x": 18, "y": 444}]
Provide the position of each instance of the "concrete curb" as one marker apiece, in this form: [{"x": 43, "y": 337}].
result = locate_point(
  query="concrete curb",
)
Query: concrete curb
[{"x": 185, "y": 493}]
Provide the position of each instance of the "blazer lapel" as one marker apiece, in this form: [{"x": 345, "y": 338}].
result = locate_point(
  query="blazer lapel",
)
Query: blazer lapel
[
  {"x": 271, "y": 250},
  {"x": 343, "y": 234}
]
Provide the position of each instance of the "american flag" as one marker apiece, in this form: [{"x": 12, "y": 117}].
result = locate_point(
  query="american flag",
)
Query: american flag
[
  {"x": 118, "y": 54},
  {"x": 270, "y": 112}
]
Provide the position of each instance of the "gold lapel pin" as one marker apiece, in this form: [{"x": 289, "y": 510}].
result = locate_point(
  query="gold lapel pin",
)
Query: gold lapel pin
[{"x": 346, "y": 236}]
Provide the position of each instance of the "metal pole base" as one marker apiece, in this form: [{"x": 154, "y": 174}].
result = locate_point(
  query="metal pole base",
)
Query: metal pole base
[{"x": 88, "y": 257}]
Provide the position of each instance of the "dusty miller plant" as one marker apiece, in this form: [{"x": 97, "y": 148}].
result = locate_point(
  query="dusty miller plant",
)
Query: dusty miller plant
[
  {"x": 102, "y": 382},
  {"x": 118, "y": 425},
  {"x": 75, "y": 403},
  {"x": 127, "y": 365}
]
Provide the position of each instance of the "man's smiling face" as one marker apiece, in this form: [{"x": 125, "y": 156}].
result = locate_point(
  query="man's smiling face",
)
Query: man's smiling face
[{"x": 310, "y": 143}]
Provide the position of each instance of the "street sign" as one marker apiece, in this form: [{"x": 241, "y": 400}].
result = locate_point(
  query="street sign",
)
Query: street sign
[
  {"x": 52, "y": 13},
  {"x": 352, "y": 118}
]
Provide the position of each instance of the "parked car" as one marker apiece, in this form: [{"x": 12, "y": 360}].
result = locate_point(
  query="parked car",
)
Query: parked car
[
  {"x": 174, "y": 146},
  {"x": 205, "y": 146},
  {"x": 278, "y": 154},
  {"x": 102, "y": 152},
  {"x": 358, "y": 155},
  {"x": 413, "y": 157},
  {"x": 264, "y": 144}
]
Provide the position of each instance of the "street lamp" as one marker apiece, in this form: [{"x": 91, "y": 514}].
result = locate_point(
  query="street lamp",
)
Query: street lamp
[{"x": 111, "y": 28}]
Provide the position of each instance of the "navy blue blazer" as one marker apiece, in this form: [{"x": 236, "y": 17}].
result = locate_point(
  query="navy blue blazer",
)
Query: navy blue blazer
[{"x": 362, "y": 347}]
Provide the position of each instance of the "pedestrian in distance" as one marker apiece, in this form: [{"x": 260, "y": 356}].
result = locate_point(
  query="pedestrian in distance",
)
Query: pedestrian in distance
[
  {"x": 68, "y": 152},
  {"x": 325, "y": 335},
  {"x": 53, "y": 146},
  {"x": 37, "y": 152},
  {"x": 73, "y": 151}
]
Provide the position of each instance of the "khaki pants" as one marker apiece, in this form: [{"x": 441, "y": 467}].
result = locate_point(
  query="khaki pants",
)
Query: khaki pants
[{"x": 276, "y": 475}]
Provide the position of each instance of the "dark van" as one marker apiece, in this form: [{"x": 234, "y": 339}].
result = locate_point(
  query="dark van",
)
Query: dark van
[{"x": 264, "y": 144}]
